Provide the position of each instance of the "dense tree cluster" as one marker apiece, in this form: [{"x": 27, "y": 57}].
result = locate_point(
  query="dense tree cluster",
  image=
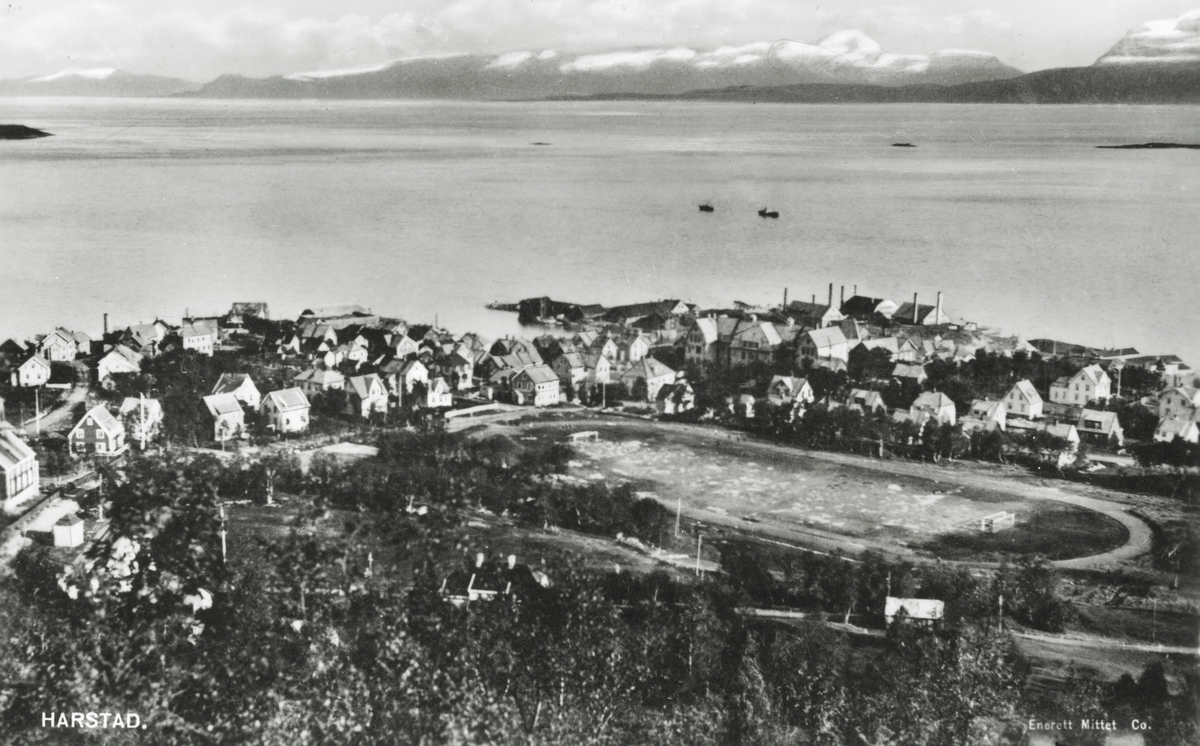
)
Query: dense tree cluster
[{"x": 299, "y": 641}]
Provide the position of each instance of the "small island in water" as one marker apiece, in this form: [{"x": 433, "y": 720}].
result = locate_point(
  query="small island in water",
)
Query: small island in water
[
  {"x": 1151, "y": 146},
  {"x": 20, "y": 132}
]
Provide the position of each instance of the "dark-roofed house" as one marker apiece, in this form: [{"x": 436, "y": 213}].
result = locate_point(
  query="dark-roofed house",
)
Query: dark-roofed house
[
  {"x": 910, "y": 372},
  {"x": 675, "y": 398},
  {"x": 920, "y": 315},
  {"x": 790, "y": 390},
  {"x": 1100, "y": 427},
  {"x": 286, "y": 410},
  {"x": 536, "y": 385},
  {"x": 813, "y": 315},
  {"x": 655, "y": 374},
  {"x": 228, "y": 419},
  {"x": 1023, "y": 400},
  {"x": 316, "y": 380},
  {"x": 630, "y": 313},
  {"x": 97, "y": 432},
  {"x": 864, "y": 309},
  {"x": 366, "y": 394},
  {"x": 241, "y": 386},
  {"x": 570, "y": 368},
  {"x": 18, "y": 469}
]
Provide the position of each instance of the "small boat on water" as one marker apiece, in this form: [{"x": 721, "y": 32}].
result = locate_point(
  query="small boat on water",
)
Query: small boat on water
[
  {"x": 765, "y": 213},
  {"x": 706, "y": 208}
]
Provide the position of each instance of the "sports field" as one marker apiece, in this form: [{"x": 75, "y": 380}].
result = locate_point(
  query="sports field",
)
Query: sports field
[{"x": 725, "y": 475}]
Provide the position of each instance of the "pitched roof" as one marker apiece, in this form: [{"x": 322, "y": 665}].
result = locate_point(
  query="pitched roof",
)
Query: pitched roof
[
  {"x": 361, "y": 385},
  {"x": 320, "y": 376},
  {"x": 1025, "y": 388},
  {"x": 827, "y": 337},
  {"x": 230, "y": 382},
  {"x": 908, "y": 370},
  {"x": 573, "y": 360},
  {"x": 765, "y": 327},
  {"x": 540, "y": 374},
  {"x": 861, "y": 305},
  {"x": 195, "y": 330},
  {"x": 1106, "y": 421},
  {"x": 102, "y": 417},
  {"x": 219, "y": 404},
  {"x": 1174, "y": 426},
  {"x": 708, "y": 327},
  {"x": 647, "y": 368},
  {"x": 13, "y": 450},
  {"x": 933, "y": 400},
  {"x": 287, "y": 400},
  {"x": 986, "y": 408},
  {"x": 891, "y": 344},
  {"x": 1094, "y": 374}
]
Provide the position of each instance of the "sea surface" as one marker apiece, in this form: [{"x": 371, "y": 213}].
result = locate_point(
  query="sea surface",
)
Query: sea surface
[{"x": 428, "y": 210}]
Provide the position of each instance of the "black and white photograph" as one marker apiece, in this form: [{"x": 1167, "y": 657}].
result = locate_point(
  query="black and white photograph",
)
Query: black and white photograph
[{"x": 600, "y": 372}]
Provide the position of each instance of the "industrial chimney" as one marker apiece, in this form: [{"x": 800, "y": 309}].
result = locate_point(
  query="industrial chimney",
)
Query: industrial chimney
[
  {"x": 843, "y": 300},
  {"x": 916, "y": 309},
  {"x": 830, "y": 294},
  {"x": 106, "y": 325},
  {"x": 785, "y": 297},
  {"x": 937, "y": 314}
]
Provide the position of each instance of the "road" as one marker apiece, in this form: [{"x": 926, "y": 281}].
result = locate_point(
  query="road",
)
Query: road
[
  {"x": 1104, "y": 643},
  {"x": 61, "y": 414},
  {"x": 1139, "y": 542}
]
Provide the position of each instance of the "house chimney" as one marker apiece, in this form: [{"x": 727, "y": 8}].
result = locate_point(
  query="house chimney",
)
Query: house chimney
[
  {"x": 479, "y": 560},
  {"x": 791, "y": 321},
  {"x": 937, "y": 314},
  {"x": 915, "y": 308},
  {"x": 830, "y": 303},
  {"x": 753, "y": 318}
]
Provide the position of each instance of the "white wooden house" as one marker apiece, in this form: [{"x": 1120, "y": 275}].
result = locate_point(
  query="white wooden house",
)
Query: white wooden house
[
  {"x": 1023, "y": 400},
  {"x": 287, "y": 411}
]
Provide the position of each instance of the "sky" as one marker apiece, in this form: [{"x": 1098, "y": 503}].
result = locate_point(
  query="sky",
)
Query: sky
[{"x": 201, "y": 39}]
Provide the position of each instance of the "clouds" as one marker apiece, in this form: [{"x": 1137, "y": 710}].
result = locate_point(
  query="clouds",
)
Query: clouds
[
  {"x": 200, "y": 39},
  {"x": 1171, "y": 40},
  {"x": 187, "y": 43}
]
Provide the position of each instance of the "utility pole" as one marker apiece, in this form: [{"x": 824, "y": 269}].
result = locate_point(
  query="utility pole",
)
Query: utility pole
[
  {"x": 142, "y": 412},
  {"x": 223, "y": 548},
  {"x": 699, "y": 542},
  {"x": 678, "y": 511},
  {"x": 37, "y": 410}
]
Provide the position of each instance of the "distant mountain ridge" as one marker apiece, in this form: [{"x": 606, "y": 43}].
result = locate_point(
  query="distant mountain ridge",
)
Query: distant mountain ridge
[
  {"x": 99, "y": 82},
  {"x": 849, "y": 57},
  {"x": 1167, "y": 83}
]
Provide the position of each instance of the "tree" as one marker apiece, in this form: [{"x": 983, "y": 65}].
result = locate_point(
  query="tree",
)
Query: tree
[{"x": 639, "y": 391}]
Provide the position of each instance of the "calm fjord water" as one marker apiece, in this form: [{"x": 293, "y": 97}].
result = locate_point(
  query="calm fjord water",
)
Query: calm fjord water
[{"x": 152, "y": 206}]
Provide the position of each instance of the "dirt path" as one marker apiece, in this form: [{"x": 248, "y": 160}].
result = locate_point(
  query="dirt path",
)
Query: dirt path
[
  {"x": 58, "y": 416},
  {"x": 1139, "y": 541}
]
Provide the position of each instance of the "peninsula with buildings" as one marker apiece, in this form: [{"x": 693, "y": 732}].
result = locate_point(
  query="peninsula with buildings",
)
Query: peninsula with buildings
[{"x": 846, "y": 472}]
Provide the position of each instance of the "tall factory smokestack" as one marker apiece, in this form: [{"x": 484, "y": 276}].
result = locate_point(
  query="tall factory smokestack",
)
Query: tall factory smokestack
[
  {"x": 106, "y": 325},
  {"x": 830, "y": 294},
  {"x": 916, "y": 318},
  {"x": 856, "y": 289},
  {"x": 785, "y": 297},
  {"x": 814, "y": 300},
  {"x": 843, "y": 301},
  {"x": 937, "y": 314}
]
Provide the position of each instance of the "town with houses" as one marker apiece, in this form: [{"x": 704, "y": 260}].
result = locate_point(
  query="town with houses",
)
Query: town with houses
[
  {"x": 644, "y": 357},
  {"x": 908, "y": 380}
]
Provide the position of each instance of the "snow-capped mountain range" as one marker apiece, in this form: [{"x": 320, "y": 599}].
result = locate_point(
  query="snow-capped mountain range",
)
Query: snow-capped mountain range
[{"x": 844, "y": 58}]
